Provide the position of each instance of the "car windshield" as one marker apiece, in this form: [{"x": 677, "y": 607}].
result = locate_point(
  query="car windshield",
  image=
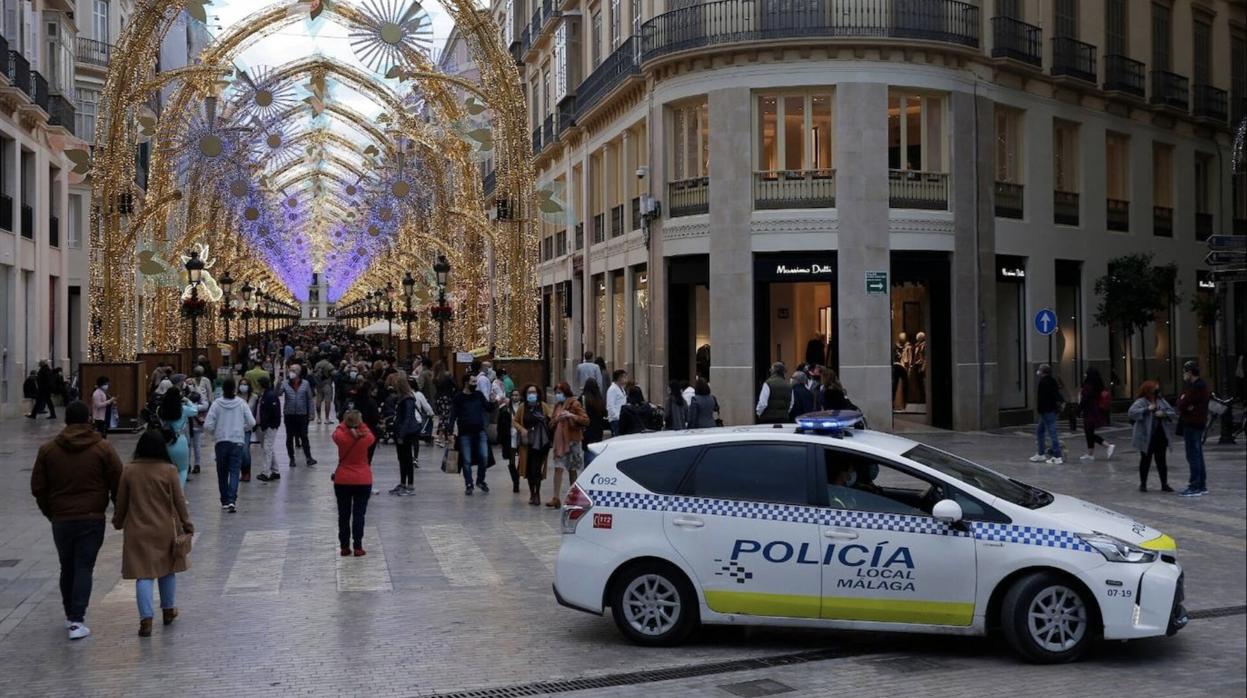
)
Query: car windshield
[{"x": 976, "y": 475}]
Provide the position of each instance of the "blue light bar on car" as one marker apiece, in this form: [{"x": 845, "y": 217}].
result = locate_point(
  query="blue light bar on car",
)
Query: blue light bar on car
[{"x": 829, "y": 421}]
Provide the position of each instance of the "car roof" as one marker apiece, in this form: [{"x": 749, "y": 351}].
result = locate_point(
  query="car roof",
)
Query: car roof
[{"x": 865, "y": 440}]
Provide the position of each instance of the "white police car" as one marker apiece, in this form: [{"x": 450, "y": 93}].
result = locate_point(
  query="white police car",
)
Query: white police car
[{"x": 820, "y": 525}]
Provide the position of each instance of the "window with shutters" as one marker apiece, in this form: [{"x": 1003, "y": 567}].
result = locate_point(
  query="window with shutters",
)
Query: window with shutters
[
  {"x": 508, "y": 23},
  {"x": 1117, "y": 166},
  {"x": 1202, "y": 47},
  {"x": 1065, "y": 153},
  {"x": 1066, "y": 16},
  {"x": 690, "y": 141},
  {"x": 1160, "y": 37},
  {"x": 1008, "y": 145},
  {"x": 1162, "y": 175},
  {"x": 636, "y": 17},
  {"x": 546, "y": 102},
  {"x": 1238, "y": 77},
  {"x": 1009, "y": 8},
  {"x": 560, "y": 62},
  {"x": 1116, "y": 42},
  {"x": 100, "y": 20},
  {"x": 616, "y": 25},
  {"x": 595, "y": 38}
]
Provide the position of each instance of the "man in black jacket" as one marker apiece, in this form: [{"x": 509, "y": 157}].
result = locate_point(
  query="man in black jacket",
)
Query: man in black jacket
[
  {"x": 1048, "y": 402},
  {"x": 43, "y": 391}
]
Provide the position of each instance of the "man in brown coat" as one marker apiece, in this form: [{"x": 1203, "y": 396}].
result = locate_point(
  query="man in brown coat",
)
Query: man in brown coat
[{"x": 74, "y": 477}]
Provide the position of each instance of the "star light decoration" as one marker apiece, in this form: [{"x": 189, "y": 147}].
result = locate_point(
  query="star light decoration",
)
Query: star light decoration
[{"x": 384, "y": 28}]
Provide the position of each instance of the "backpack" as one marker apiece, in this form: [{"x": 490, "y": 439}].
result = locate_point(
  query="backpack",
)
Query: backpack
[
  {"x": 408, "y": 421},
  {"x": 270, "y": 410}
]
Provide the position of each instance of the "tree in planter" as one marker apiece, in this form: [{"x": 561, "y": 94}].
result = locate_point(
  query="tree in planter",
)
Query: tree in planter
[
  {"x": 1207, "y": 309},
  {"x": 1131, "y": 294}
]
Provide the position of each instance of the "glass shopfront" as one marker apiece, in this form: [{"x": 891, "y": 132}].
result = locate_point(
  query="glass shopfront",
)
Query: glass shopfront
[
  {"x": 1067, "y": 341},
  {"x": 688, "y": 317},
  {"x": 1011, "y": 370},
  {"x": 640, "y": 323},
  {"x": 794, "y": 311},
  {"x": 921, "y": 347}
]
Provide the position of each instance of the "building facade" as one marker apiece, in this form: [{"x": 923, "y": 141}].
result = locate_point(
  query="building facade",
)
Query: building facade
[{"x": 892, "y": 188}]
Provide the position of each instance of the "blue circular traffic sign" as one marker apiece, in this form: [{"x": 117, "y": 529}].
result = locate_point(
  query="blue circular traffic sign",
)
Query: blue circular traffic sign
[{"x": 1045, "y": 321}]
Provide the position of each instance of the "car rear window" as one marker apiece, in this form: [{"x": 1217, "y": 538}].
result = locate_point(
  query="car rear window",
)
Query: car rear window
[{"x": 660, "y": 472}]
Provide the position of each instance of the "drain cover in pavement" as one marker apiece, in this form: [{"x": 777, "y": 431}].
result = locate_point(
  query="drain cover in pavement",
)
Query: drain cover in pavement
[{"x": 754, "y": 689}]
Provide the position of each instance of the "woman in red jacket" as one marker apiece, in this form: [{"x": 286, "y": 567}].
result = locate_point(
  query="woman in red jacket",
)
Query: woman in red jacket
[{"x": 352, "y": 480}]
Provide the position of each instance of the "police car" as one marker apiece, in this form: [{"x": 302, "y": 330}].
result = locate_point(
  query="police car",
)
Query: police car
[{"x": 820, "y": 524}]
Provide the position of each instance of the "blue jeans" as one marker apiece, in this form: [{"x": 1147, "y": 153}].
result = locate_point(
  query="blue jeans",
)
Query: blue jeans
[
  {"x": 143, "y": 593},
  {"x": 614, "y": 427},
  {"x": 228, "y": 468},
  {"x": 1047, "y": 425},
  {"x": 474, "y": 449},
  {"x": 1194, "y": 439}
]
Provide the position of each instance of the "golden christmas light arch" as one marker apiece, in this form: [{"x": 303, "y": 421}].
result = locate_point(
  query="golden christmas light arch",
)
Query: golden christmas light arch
[{"x": 115, "y": 239}]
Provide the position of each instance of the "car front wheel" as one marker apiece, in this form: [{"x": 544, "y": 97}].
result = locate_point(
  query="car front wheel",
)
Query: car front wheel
[
  {"x": 653, "y": 604},
  {"x": 1047, "y": 619}
]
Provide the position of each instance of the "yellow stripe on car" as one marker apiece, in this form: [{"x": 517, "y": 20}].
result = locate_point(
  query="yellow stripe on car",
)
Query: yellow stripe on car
[
  {"x": 841, "y": 608},
  {"x": 1161, "y": 543}
]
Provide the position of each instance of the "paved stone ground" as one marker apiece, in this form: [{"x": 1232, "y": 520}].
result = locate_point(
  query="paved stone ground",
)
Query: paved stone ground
[{"x": 454, "y": 595}]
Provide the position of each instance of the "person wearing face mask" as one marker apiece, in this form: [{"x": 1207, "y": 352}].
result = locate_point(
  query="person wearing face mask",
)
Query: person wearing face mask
[
  {"x": 246, "y": 394},
  {"x": 507, "y": 436},
  {"x": 532, "y": 425},
  {"x": 102, "y": 406},
  {"x": 1154, "y": 422},
  {"x": 468, "y": 412},
  {"x": 569, "y": 420},
  {"x": 296, "y": 411},
  {"x": 344, "y": 382},
  {"x": 268, "y": 421}
]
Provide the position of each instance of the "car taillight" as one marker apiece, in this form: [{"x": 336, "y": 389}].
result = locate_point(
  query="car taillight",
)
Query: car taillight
[{"x": 575, "y": 506}]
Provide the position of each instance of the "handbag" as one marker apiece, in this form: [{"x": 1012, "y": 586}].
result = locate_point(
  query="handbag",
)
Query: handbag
[
  {"x": 181, "y": 548},
  {"x": 1106, "y": 400},
  {"x": 450, "y": 460}
]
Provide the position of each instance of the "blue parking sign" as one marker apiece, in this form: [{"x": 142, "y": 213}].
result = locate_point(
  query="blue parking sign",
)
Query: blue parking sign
[{"x": 1045, "y": 322}]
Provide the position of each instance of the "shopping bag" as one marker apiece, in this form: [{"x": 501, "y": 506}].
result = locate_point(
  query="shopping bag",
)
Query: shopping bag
[{"x": 450, "y": 460}]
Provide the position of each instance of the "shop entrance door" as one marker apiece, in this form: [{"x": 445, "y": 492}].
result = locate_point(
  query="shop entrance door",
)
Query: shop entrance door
[
  {"x": 921, "y": 351},
  {"x": 794, "y": 312},
  {"x": 688, "y": 318}
]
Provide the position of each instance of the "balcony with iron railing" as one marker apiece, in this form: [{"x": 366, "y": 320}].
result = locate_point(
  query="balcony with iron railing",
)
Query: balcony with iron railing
[
  {"x": 537, "y": 139},
  {"x": 1065, "y": 207},
  {"x": 1073, "y": 58},
  {"x": 40, "y": 86},
  {"x": 918, "y": 189},
  {"x": 1124, "y": 75},
  {"x": 93, "y": 52},
  {"x": 779, "y": 189},
  {"x": 1170, "y": 90},
  {"x": 489, "y": 182},
  {"x": 613, "y": 72},
  {"x": 1009, "y": 200},
  {"x": 28, "y": 222},
  {"x": 4, "y": 56},
  {"x": 547, "y": 132},
  {"x": 6, "y": 212},
  {"x": 54, "y": 231},
  {"x": 688, "y": 197},
  {"x": 726, "y": 22},
  {"x": 617, "y": 220},
  {"x": 567, "y": 114},
  {"x": 1017, "y": 40},
  {"x": 19, "y": 73},
  {"x": 1203, "y": 225},
  {"x": 61, "y": 112},
  {"x": 1162, "y": 221},
  {"x": 599, "y": 228},
  {"x": 1210, "y": 103},
  {"x": 1117, "y": 213}
]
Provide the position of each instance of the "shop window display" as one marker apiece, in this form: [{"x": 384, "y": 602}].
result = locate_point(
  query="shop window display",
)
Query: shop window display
[{"x": 910, "y": 319}]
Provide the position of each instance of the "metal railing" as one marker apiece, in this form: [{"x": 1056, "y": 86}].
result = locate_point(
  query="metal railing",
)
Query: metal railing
[
  {"x": 776, "y": 189},
  {"x": 525, "y": 42},
  {"x": 1065, "y": 207},
  {"x": 613, "y": 71},
  {"x": 61, "y": 112},
  {"x": 725, "y": 22},
  {"x": 547, "y": 131},
  {"x": 617, "y": 221},
  {"x": 489, "y": 182},
  {"x": 1117, "y": 215},
  {"x": 688, "y": 197},
  {"x": 1162, "y": 221},
  {"x": 918, "y": 189},
  {"x": 4, "y": 56},
  {"x": 635, "y": 213},
  {"x": 537, "y": 139},
  {"x": 599, "y": 228},
  {"x": 1015, "y": 39},
  {"x": 1073, "y": 58},
  {"x": 93, "y": 52},
  {"x": 1210, "y": 102},
  {"x": 1239, "y": 226},
  {"x": 1125, "y": 75},
  {"x": 534, "y": 25},
  {"x": 19, "y": 72},
  {"x": 1009, "y": 200},
  {"x": 28, "y": 222},
  {"x": 1170, "y": 90},
  {"x": 1203, "y": 226},
  {"x": 6, "y": 212},
  {"x": 40, "y": 94},
  {"x": 567, "y": 114},
  {"x": 54, "y": 231}
]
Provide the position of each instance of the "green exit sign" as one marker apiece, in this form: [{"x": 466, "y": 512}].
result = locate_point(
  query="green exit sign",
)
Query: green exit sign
[{"x": 876, "y": 283}]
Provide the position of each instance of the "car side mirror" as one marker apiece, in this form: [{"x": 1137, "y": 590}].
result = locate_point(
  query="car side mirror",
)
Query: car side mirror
[{"x": 948, "y": 511}]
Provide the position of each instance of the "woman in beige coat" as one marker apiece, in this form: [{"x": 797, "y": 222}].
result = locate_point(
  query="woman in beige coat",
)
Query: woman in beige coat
[{"x": 151, "y": 511}]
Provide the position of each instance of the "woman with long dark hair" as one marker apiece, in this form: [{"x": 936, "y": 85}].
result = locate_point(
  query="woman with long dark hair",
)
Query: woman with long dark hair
[
  {"x": 174, "y": 413},
  {"x": 595, "y": 406},
  {"x": 675, "y": 410},
  {"x": 532, "y": 424},
  {"x": 1094, "y": 403},
  {"x": 446, "y": 389}
]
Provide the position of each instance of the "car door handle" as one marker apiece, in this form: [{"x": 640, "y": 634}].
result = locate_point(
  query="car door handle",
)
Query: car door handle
[
  {"x": 687, "y": 522},
  {"x": 840, "y": 533}
]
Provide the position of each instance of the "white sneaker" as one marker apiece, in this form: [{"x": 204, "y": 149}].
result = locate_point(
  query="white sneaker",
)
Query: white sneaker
[
  {"x": 1038, "y": 458},
  {"x": 1055, "y": 460},
  {"x": 1086, "y": 458},
  {"x": 1111, "y": 449},
  {"x": 77, "y": 631},
  {"x": 68, "y": 624}
]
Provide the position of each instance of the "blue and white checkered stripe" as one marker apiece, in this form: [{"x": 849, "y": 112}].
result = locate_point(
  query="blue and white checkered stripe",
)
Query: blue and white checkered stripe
[{"x": 875, "y": 521}]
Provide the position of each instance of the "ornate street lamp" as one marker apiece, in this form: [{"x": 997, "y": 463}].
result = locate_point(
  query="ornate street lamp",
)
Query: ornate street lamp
[
  {"x": 441, "y": 268},
  {"x": 193, "y": 307},
  {"x": 227, "y": 311},
  {"x": 246, "y": 291},
  {"x": 389, "y": 313},
  {"x": 409, "y": 288}
]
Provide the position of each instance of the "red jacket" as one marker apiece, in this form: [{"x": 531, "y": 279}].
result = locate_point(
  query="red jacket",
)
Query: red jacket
[{"x": 353, "y": 456}]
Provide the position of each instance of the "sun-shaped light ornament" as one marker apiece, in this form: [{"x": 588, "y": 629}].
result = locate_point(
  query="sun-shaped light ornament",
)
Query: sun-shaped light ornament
[
  {"x": 385, "y": 28},
  {"x": 262, "y": 93}
]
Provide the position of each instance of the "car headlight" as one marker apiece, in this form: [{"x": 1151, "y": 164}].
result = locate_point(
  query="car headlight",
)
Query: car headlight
[{"x": 1116, "y": 549}]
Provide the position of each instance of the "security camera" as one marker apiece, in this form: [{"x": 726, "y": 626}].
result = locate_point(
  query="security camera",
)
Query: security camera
[{"x": 642, "y": 171}]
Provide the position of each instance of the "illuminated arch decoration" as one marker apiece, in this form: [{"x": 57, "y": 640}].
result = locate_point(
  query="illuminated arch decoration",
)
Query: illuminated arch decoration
[{"x": 231, "y": 197}]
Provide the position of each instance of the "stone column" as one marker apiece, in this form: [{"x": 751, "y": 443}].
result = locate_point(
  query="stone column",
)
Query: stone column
[
  {"x": 731, "y": 256},
  {"x": 865, "y": 327},
  {"x": 973, "y": 299},
  {"x": 587, "y": 324},
  {"x": 655, "y": 184}
]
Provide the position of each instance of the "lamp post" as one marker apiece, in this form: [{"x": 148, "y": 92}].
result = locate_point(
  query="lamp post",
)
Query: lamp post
[
  {"x": 194, "y": 273},
  {"x": 389, "y": 315},
  {"x": 246, "y": 291},
  {"x": 227, "y": 284},
  {"x": 441, "y": 268},
  {"x": 409, "y": 287}
]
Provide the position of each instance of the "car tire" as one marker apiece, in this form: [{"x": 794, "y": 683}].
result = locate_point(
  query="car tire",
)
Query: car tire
[
  {"x": 1048, "y": 619},
  {"x": 653, "y": 604}
]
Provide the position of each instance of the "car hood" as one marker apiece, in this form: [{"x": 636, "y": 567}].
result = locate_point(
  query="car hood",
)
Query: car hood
[{"x": 1079, "y": 516}]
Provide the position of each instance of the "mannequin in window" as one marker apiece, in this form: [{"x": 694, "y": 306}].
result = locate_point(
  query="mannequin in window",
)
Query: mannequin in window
[
  {"x": 902, "y": 354},
  {"x": 918, "y": 369},
  {"x": 816, "y": 351}
]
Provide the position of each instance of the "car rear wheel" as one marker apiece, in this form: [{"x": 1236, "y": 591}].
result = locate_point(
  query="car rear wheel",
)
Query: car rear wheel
[
  {"x": 653, "y": 604},
  {"x": 1047, "y": 619}
]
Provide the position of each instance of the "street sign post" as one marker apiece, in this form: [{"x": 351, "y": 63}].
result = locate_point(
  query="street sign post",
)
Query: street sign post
[
  {"x": 1227, "y": 242},
  {"x": 876, "y": 283},
  {"x": 1221, "y": 258}
]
